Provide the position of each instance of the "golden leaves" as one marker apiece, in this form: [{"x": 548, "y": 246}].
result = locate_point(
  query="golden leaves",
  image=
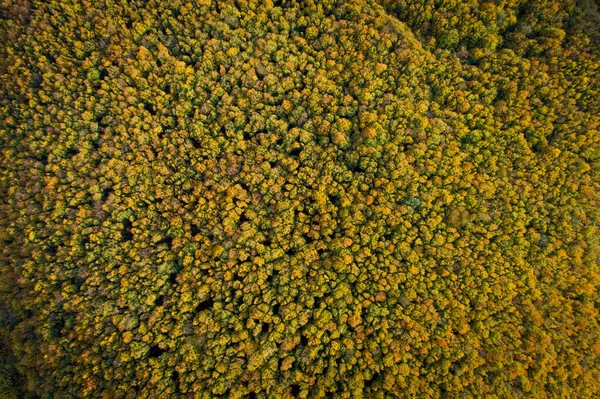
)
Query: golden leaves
[{"x": 323, "y": 184}]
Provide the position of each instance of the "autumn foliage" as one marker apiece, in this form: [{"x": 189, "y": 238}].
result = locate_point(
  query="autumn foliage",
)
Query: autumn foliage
[{"x": 306, "y": 199}]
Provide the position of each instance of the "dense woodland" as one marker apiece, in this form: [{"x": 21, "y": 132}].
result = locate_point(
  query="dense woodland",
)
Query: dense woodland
[{"x": 280, "y": 199}]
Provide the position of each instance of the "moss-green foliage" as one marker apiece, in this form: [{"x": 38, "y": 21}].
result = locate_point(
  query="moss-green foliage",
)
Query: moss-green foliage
[{"x": 295, "y": 199}]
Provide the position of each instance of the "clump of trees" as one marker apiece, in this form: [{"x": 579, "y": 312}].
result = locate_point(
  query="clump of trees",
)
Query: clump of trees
[{"x": 299, "y": 199}]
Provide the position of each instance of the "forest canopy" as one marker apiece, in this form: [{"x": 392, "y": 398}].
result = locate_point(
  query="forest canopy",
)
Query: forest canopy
[{"x": 280, "y": 199}]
